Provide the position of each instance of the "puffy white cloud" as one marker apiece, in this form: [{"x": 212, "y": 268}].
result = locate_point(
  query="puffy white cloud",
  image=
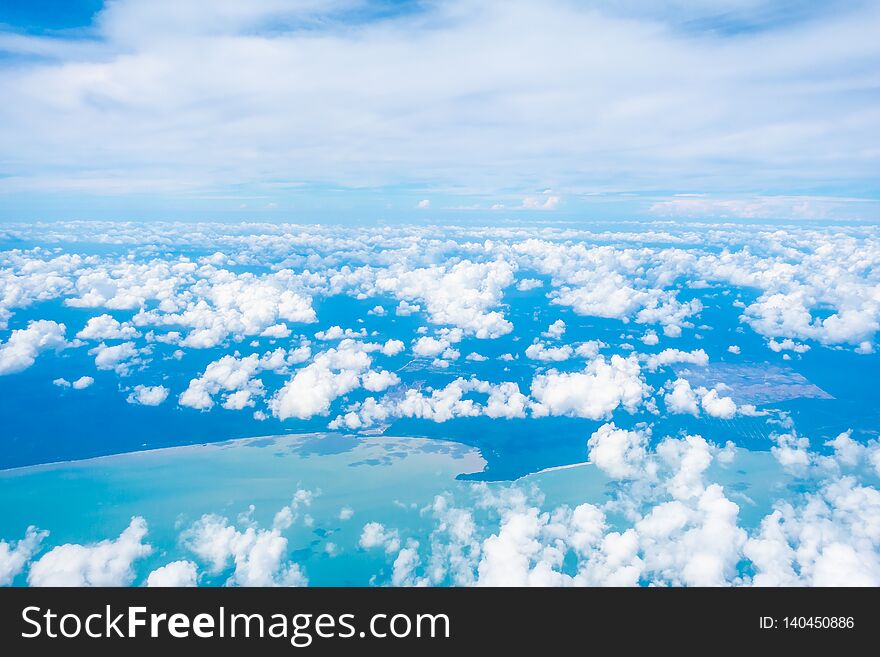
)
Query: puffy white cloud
[
  {"x": 105, "y": 327},
  {"x": 716, "y": 406},
  {"x": 650, "y": 338},
  {"x": 555, "y": 331},
  {"x": 526, "y": 284},
  {"x": 393, "y": 347},
  {"x": 313, "y": 388},
  {"x": 106, "y": 563},
  {"x": 258, "y": 556},
  {"x": 278, "y": 331},
  {"x": 828, "y": 538},
  {"x": 218, "y": 303},
  {"x": 787, "y": 345},
  {"x": 590, "y": 349},
  {"x": 235, "y": 376},
  {"x": 82, "y": 382},
  {"x": 24, "y": 345},
  {"x": 175, "y": 574},
  {"x": 619, "y": 453},
  {"x": 693, "y": 545},
  {"x": 338, "y": 333},
  {"x": 594, "y": 393},
  {"x": 462, "y": 295},
  {"x": 540, "y": 351},
  {"x": 429, "y": 347},
  {"x": 681, "y": 398},
  {"x": 375, "y": 535},
  {"x": 504, "y": 400},
  {"x": 15, "y": 555},
  {"x": 148, "y": 395},
  {"x": 376, "y": 381},
  {"x": 119, "y": 358},
  {"x": 792, "y": 452},
  {"x": 674, "y": 356}
]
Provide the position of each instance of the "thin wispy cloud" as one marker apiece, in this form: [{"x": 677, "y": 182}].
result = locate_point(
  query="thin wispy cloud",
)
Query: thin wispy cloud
[{"x": 729, "y": 98}]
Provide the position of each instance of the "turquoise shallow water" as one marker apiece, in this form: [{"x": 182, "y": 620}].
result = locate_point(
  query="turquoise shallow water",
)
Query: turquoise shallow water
[{"x": 380, "y": 479}]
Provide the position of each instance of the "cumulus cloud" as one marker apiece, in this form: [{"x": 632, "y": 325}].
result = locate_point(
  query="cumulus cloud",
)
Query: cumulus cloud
[
  {"x": 16, "y": 554},
  {"x": 462, "y": 295},
  {"x": 106, "y": 563},
  {"x": 330, "y": 375},
  {"x": 717, "y": 406},
  {"x": 120, "y": 358},
  {"x": 148, "y": 395},
  {"x": 540, "y": 351},
  {"x": 681, "y": 398},
  {"x": 175, "y": 574},
  {"x": 256, "y": 557},
  {"x": 595, "y": 393},
  {"x": 235, "y": 377},
  {"x": 374, "y": 535},
  {"x": 617, "y": 452},
  {"x": 526, "y": 284},
  {"x": 555, "y": 330},
  {"x": 675, "y": 356},
  {"x": 105, "y": 327},
  {"x": 24, "y": 345}
]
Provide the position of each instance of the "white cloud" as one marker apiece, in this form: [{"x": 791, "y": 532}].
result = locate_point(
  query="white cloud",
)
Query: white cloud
[
  {"x": 681, "y": 398},
  {"x": 673, "y": 356},
  {"x": 787, "y": 345},
  {"x": 619, "y": 453},
  {"x": 105, "y": 327},
  {"x": 236, "y": 378},
  {"x": 555, "y": 331},
  {"x": 716, "y": 104},
  {"x": 278, "y": 331},
  {"x": 375, "y": 535},
  {"x": 462, "y": 295},
  {"x": 376, "y": 381},
  {"x": 540, "y": 351},
  {"x": 717, "y": 406},
  {"x": 82, "y": 382},
  {"x": 526, "y": 284},
  {"x": 650, "y": 338},
  {"x": 257, "y": 556},
  {"x": 148, "y": 395},
  {"x": 175, "y": 574},
  {"x": 15, "y": 555},
  {"x": 546, "y": 202},
  {"x": 119, "y": 358},
  {"x": 338, "y": 333},
  {"x": 106, "y": 563},
  {"x": 24, "y": 345},
  {"x": 429, "y": 347},
  {"x": 594, "y": 393}
]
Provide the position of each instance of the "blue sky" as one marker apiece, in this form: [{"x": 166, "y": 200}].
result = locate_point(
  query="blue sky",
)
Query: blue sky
[{"x": 347, "y": 110}]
